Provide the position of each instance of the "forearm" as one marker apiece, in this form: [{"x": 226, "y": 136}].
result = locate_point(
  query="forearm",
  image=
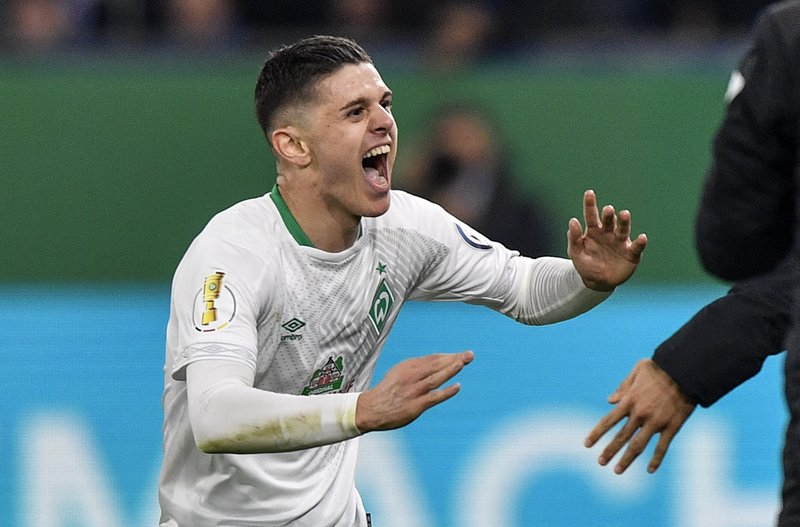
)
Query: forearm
[
  {"x": 551, "y": 290},
  {"x": 727, "y": 341},
  {"x": 229, "y": 415}
]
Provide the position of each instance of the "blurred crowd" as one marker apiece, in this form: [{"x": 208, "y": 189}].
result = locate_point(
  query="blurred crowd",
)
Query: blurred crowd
[
  {"x": 465, "y": 165},
  {"x": 455, "y": 30}
]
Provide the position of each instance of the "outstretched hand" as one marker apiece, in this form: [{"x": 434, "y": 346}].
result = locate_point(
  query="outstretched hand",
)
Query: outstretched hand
[
  {"x": 408, "y": 389},
  {"x": 603, "y": 254},
  {"x": 654, "y": 404}
]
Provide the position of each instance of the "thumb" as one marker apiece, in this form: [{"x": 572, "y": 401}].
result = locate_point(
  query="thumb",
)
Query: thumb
[{"x": 574, "y": 233}]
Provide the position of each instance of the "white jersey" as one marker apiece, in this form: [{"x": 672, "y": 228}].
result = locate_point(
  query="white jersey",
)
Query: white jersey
[{"x": 252, "y": 289}]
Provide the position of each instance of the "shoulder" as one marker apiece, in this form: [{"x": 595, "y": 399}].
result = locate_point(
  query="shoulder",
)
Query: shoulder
[
  {"x": 245, "y": 234},
  {"x": 779, "y": 23},
  {"x": 423, "y": 220},
  {"x": 253, "y": 213},
  {"x": 253, "y": 224},
  {"x": 409, "y": 210},
  {"x": 238, "y": 243},
  {"x": 418, "y": 217},
  {"x": 788, "y": 10}
]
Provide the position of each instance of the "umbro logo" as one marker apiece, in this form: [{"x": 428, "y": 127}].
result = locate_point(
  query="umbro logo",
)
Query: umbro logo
[{"x": 293, "y": 326}]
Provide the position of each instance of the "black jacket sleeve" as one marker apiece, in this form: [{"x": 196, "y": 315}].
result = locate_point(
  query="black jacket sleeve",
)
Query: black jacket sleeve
[
  {"x": 727, "y": 341},
  {"x": 745, "y": 221}
]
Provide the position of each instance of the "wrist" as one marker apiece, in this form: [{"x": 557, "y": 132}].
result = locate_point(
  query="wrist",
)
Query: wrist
[
  {"x": 362, "y": 419},
  {"x": 598, "y": 286}
]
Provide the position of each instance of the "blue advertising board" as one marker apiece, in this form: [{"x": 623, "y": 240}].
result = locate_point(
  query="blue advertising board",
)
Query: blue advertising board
[{"x": 80, "y": 424}]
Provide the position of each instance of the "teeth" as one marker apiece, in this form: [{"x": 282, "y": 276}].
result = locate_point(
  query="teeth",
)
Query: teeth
[{"x": 378, "y": 150}]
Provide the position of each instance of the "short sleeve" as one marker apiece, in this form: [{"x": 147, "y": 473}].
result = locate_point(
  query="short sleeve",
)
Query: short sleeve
[{"x": 216, "y": 304}]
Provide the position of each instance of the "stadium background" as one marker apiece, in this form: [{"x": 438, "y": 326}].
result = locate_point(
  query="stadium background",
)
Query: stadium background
[{"x": 111, "y": 162}]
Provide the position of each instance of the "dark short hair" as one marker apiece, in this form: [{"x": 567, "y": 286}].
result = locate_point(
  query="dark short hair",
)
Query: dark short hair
[{"x": 290, "y": 74}]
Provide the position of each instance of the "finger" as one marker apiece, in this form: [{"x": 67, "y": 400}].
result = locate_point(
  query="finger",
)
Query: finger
[
  {"x": 622, "y": 437},
  {"x": 591, "y": 215},
  {"x": 574, "y": 230},
  {"x": 439, "y": 396},
  {"x": 624, "y": 225},
  {"x": 661, "y": 450},
  {"x": 446, "y": 371},
  {"x": 574, "y": 234},
  {"x": 638, "y": 245},
  {"x": 443, "y": 362},
  {"x": 435, "y": 362},
  {"x": 605, "y": 424},
  {"x": 609, "y": 218},
  {"x": 635, "y": 447}
]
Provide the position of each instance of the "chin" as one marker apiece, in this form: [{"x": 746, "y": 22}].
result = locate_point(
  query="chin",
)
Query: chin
[{"x": 378, "y": 207}]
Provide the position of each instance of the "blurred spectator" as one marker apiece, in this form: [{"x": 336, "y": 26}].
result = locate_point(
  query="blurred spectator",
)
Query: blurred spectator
[
  {"x": 201, "y": 23},
  {"x": 462, "y": 33},
  {"x": 369, "y": 14},
  {"x": 463, "y": 168},
  {"x": 585, "y": 21},
  {"x": 366, "y": 21},
  {"x": 704, "y": 18},
  {"x": 448, "y": 35},
  {"x": 41, "y": 24},
  {"x": 258, "y": 16},
  {"x": 53, "y": 25}
]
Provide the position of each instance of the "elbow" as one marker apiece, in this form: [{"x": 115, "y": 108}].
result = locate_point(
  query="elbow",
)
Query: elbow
[
  {"x": 734, "y": 261},
  {"x": 209, "y": 425},
  {"x": 205, "y": 438},
  {"x": 734, "y": 252},
  {"x": 716, "y": 248},
  {"x": 724, "y": 269},
  {"x": 212, "y": 446}
]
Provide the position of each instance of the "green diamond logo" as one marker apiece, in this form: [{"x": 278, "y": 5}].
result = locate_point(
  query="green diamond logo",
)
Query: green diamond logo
[
  {"x": 293, "y": 325},
  {"x": 382, "y": 303}
]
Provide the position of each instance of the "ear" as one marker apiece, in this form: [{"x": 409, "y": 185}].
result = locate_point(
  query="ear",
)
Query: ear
[{"x": 289, "y": 146}]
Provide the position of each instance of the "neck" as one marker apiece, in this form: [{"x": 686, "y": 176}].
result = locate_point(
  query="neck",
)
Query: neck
[{"x": 313, "y": 224}]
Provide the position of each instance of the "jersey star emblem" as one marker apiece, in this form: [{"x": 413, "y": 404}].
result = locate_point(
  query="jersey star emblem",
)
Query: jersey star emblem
[{"x": 381, "y": 268}]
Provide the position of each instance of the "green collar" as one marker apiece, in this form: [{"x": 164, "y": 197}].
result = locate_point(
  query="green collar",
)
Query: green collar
[{"x": 291, "y": 223}]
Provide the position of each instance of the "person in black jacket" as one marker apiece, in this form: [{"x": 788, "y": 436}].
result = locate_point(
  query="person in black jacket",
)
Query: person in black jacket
[{"x": 745, "y": 230}]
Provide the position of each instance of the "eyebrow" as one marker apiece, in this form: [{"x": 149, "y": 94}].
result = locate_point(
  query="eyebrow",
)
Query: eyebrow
[{"x": 362, "y": 101}]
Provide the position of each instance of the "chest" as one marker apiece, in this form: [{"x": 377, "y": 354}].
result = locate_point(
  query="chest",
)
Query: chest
[{"x": 329, "y": 323}]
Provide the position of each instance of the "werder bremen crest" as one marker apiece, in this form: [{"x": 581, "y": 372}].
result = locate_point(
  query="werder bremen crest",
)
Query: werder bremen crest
[{"x": 382, "y": 302}]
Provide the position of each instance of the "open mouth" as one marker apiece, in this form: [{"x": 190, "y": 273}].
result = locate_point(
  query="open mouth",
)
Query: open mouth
[{"x": 375, "y": 167}]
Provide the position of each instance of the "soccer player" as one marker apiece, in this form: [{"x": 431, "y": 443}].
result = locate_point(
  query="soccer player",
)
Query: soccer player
[{"x": 281, "y": 305}]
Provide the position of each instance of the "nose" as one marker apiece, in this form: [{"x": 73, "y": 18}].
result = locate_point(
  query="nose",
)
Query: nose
[{"x": 383, "y": 120}]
